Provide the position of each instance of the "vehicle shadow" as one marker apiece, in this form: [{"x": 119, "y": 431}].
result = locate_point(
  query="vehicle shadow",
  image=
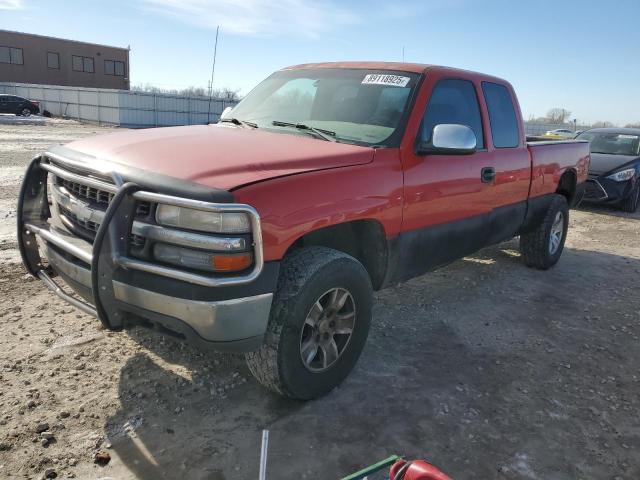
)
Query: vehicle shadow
[
  {"x": 607, "y": 210},
  {"x": 486, "y": 368}
]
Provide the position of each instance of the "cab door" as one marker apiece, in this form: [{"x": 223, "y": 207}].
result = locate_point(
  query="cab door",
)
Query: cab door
[
  {"x": 509, "y": 160},
  {"x": 446, "y": 197}
]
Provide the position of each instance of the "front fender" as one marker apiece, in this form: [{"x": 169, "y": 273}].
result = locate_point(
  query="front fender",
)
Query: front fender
[{"x": 291, "y": 207}]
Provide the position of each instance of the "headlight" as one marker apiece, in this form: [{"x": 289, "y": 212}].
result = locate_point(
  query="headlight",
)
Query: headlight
[
  {"x": 202, "y": 260},
  {"x": 623, "y": 175},
  {"x": 192, "y": 219}
]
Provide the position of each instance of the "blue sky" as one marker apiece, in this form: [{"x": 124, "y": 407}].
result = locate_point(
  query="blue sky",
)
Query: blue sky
[{"x": 580, "y": 55}]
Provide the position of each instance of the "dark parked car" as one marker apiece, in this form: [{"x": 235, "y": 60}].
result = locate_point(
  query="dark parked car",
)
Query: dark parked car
[
  {"x": 18, "y": 105},
  {"x": 614, "y": 174}
]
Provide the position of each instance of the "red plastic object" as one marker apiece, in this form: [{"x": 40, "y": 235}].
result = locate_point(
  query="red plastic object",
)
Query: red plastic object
[{"x": 417, "y": 470}]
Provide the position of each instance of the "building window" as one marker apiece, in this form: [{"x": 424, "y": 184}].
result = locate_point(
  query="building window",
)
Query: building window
[
  {"x": 11, "y": 55},
  {"x": 82, "y": 64},
  {"x": 114, "y": 67},
  {"x": 87, "y": 62},
  {"x": 53, "y": 60}
]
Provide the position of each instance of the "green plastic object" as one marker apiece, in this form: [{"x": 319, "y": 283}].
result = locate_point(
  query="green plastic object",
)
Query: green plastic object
[{"x": 376, "y": 467}]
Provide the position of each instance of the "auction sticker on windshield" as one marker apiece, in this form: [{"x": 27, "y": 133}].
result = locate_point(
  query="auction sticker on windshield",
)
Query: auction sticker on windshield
[{"x": 389, "y": 80}]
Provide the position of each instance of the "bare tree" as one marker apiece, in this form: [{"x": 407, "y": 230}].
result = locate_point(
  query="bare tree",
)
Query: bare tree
[
  {"x": 225, "y": 93},
  {"x": 558, "y": 115},
  {"x": 633, "y": 125},
  {"x": 604, "y": 124}
]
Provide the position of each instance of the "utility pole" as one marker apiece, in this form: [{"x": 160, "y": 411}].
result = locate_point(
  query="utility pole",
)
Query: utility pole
[
  {"x": 402, "y": 53},
  {"x": 213, "y": 69}
]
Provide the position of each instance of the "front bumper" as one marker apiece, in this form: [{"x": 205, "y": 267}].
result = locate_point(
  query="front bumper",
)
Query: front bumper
[
  {"x": 219, "y": 312},
  {"x": 602, "y": 190}
]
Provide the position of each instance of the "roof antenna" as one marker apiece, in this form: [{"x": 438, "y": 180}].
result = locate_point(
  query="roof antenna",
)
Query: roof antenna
[
  {"x": 402, "y": 53},
  {"x": 213, "y": 69}
]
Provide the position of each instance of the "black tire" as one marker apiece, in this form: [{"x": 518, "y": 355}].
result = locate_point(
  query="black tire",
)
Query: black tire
[
  {"x": 306, "y": 274},
  {"x": 25, "y": 112},
  {"x": 630, "y": 204},
  {"x": 535, "y": 246}
]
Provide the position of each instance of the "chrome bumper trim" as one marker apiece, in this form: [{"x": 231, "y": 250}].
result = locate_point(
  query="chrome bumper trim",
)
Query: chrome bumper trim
[
  {"x": 223, "y": 320},
  {"x": 64, "y": 266},
  {"x": 60, "y": 242}
]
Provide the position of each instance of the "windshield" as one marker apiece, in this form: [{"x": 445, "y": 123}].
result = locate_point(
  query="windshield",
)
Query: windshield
[
  {"x": 364, "y": 107},
  {"x": 612, "y": 143}
]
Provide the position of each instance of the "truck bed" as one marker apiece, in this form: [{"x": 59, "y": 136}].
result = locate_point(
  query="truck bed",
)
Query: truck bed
[{"x": 550, "y": 159}]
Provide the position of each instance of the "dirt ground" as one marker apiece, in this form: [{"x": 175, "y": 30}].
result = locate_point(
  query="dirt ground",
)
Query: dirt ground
[{"x": 486, "y": 368}]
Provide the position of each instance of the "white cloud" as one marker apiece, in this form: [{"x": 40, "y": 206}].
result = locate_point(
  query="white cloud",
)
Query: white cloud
[
  {"x": 258, "y": 17},
  {"x": 11, "y": 4}
]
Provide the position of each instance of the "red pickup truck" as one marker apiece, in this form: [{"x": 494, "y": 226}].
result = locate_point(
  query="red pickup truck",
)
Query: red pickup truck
[{"x": 268, "y": 232}]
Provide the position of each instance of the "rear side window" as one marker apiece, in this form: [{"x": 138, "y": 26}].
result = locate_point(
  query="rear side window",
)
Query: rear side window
[
  {"x": 453, "y": 101},
  {"x": 502, "y": 115}
]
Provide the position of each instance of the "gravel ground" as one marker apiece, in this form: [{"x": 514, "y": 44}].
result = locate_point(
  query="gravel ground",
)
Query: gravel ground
[{"x": 485, "y": 368}]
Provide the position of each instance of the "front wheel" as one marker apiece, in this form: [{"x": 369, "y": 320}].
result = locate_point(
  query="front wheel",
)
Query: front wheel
[
  {"x": 630, "y": 204},
  {"x": 318, "y": 325},
  {"x": 542, "y": 247}
]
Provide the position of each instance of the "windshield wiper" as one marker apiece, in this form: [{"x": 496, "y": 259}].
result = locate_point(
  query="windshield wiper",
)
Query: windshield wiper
[
  {"x": 327, "y": 135},
  {"x": 237, "y": 121}
]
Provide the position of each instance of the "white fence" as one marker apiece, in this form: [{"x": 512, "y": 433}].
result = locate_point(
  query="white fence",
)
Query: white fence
[{"x": 121, "y": 107}]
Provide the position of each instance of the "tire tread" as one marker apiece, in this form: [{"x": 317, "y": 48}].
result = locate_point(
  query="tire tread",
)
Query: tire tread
[
  {"x": 296, "y": 270},
  {"x": 534, "y": 245}
]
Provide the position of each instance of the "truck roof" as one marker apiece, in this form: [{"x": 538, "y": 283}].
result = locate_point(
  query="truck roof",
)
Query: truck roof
[{"x": 398, "y": 66}]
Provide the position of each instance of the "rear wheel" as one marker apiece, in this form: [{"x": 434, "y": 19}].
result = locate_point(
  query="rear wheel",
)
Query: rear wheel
[
  {"x": 542, "y": 247},
  {"x": 25, "y": 112},
  {"x": 318, "y": 325},
  {"x": 630, "y": 204}
]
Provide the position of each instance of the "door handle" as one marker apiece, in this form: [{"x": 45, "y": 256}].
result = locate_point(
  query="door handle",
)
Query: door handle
[{"x": 487, "y": 174}]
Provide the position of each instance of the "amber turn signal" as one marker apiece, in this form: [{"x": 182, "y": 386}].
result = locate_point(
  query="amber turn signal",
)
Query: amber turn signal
[{"x": 231, "y": 263}]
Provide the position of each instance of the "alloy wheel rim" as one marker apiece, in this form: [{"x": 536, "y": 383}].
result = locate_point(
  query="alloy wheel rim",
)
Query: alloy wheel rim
[
  {"x": 555, "y": 237},
  {"x": 26, "y": 112},
  {"x": 327, "y": 329}
]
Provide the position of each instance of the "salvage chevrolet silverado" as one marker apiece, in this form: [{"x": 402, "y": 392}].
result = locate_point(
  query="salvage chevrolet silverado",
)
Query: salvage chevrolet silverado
[{"x": 268, "y": 232}]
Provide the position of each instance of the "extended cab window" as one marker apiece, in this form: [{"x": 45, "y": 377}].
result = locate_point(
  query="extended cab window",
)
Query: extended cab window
[
  {"x": 502, "y": 115},
  {"x": 361, "y": 106},
  {"x": 453, "y": 101}
]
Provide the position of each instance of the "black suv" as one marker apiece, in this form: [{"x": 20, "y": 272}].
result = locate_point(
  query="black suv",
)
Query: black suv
[{"x": 17, "y": 105}]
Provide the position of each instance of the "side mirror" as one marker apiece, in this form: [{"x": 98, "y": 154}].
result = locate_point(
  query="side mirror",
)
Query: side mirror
[
  {"x": 225, "y": 112},
  {"x": 449, "y": 139}
]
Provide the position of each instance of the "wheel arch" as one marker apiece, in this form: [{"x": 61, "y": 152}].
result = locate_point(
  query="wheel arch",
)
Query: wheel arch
[
  {"x": 567, "y": 186},
  {"x": 365, "y": 240}
]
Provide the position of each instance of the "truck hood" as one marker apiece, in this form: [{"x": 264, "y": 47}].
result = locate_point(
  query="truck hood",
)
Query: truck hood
[
  {"x": 605, "y": 163},
  {"x": 221, "y": 156}
]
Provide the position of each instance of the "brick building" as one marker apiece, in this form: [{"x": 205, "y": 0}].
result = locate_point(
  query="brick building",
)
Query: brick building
[{"x": 28, "y": 58}]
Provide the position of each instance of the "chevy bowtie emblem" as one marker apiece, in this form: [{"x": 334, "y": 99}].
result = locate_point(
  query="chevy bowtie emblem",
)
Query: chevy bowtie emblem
[{"x": 80, "y": 209}]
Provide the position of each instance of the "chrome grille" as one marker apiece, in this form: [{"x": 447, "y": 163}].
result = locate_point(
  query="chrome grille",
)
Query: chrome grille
[
  {"x": 85, "y": 192},
  {"x": 92, "y": 227},
  {"x": 96, "y": 199},
  {"x": 100, "y": 198}
]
